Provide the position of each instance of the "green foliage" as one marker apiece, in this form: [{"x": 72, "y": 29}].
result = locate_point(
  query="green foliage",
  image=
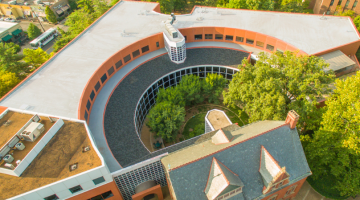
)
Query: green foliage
[
  {"x": 113, "y": 2},
  {"x": 86, "y": 5},
  {"x": 213, "y": 86},
  {"x": 173, "y": 95},
  {"x": 7, "y": 81},
  {"x": 73, "y": 4},
  {"x": 79, "y": 20},
  {"x": 357, "y": 22},
  {"x": 165, "y": 120},
  {"x": 191, "y": 87},
  {"x": 197, "y": 123},
  {"x": 335, "y": 149},
  {"x": 33, "y": 31},
  {"x": 279, "y": 83},
  {"x": 35, "y": 58},
  {"x": 340, "y": 12},
  {"x": 50, "y": 15},
  {"x": 10, "y": 59},
  {"x": 296, "y": 6}
]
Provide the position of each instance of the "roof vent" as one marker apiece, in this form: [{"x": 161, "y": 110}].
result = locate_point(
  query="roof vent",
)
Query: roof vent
[
  {"x": 85, "y": 149},
  {"x": 73, "y": 167}
]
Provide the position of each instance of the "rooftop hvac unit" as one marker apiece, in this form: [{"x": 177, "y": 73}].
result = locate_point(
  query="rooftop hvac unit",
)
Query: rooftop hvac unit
[
  {"x": 20, "y": 146},
  {"x": 9, "y": 166},
  {"x": 8, "y": 158},
  {"x": 32, "y": 132}
]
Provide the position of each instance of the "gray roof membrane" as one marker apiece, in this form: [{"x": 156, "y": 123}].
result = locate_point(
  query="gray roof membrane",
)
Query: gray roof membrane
[{"x": 243, "y": 159}]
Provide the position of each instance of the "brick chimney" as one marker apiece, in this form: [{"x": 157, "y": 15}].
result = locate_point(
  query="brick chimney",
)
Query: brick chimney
[{"x": 292, "y": 118}]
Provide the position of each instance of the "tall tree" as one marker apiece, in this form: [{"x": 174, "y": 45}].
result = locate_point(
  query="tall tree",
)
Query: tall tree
[
  {"x": 87, "y": 5},
  {"x": 35, "y": 58},
  {"x": 213, "y": 86},
  {"x": 100, "y": 7},
  {"x": 278, "y": 83},
  {"x": 7, "y": 81},
  {"x": 191, "y": 88},
  {"x": 50, "y": 15},
  {"x": 33, "y": 31},
  {"x": 10, "y": 59},
  {"x": 172, "y": 94},
  {"x": 165, "y": 120},
  {"x": 335, "y": 148}
]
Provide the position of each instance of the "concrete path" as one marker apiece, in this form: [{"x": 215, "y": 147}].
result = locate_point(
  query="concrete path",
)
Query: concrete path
[{"x": 308, "y": 193}]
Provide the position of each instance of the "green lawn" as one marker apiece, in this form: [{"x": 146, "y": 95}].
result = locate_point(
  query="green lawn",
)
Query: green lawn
[
  {"x": 197, "y": 123},
  {"x": 324, "y": 186},
  {"x": 234, "y": 116}
]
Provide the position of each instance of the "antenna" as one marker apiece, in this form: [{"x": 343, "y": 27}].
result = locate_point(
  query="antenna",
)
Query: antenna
[{"x": 323, "y": 16}]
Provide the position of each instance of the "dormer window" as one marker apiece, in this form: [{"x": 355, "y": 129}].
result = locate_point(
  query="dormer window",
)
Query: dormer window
[
  {"x": 222, "y": 182},
  {"x": 273, "y": 175},
  {"x": 222, "y": 137}
]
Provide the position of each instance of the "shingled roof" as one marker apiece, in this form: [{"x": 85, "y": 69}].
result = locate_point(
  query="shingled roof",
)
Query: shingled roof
[{"x": 189, "y": 167}]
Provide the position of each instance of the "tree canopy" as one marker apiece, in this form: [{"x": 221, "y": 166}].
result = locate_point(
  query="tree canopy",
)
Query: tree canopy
[
  {"x": 33, "y": 31},
  {"x": 50, "y": 15},
  {"x": 165, "y": 120},
  {"x": 340, "y": 12},
  {"x": 278, "y": 83},
  {"x": 335, "y": 148},
  {"x": 35, "y": 58},
  {"x": 10, "y": 60},
  {"x": 8, "y": 80},
  {"x": 213, "y": 86}
]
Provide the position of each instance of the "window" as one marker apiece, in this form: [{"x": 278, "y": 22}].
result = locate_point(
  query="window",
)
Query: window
[
  {"x": 75, "y": 189},
  {"x": 86, "y": 115},
  {"x": 208, "y": 36},
  {"x": 136, "y": 53},
  {"x": 185, "y": 38},
  {"x": 239, "y": 39},
  {"x": 52, "y": 197},
  {"x": 118, "y": 64},
  {"x": 249, "y": 41},
  {"x": 354, "y": 5},
  {"x": 218, "y": 36},
  {"x": 103, "y": 78},
  {"x": 111, "y": 70},
  {"x": 229, "y": 37},
  {"x": 97, "y": 86},
  {"x": 127, "y": 58},
  {"x": 332, "y": 2},
  {"x": 259, "y": 44},
  {"x": 280, "y": 184},
  {"x": 92, "y": 95},
  {"x": 291, "y": 190},
  {"x": 273, "y": 197},
  {"x": 270, "y": 47},
  {"x": 347, "y": 4},
  {"x": 339, "y": 2},
  {"x": 145, "y": 49},
  {"x": 88, "y": 105},
  {"x": 280, "y": 51},
  {"x": 102, "y": 196},
  {"x": 157, "y": 44},
  {"x": 198, "y": 37},
  {"x": 98, "y": 180}
]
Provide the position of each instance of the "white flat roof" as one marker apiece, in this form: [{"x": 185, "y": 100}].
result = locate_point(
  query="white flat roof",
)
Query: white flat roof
[
  {"x": 56, "y": 88},
  {"x": 6, "y": 25}
]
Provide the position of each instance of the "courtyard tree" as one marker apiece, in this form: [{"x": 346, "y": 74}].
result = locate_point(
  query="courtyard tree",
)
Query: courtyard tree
[
  {"x": 35, "y": 58},
  {"x": 50, "y": 15},
  {"x": 334, "y": 149},
  {"x": 278, "y": 83},
  {"x": 7, "y": 81},
  {"x": 33, "y": 31},
  {"x": 191, "y": 87},
  {"x": 165, "y": 120},
  {"x": 10, "y": 60},
  {"x": 172, "y": 94},
  {"x": 213, "y": 86}
]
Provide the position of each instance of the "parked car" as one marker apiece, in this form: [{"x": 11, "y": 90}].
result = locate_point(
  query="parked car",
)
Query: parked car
[{"x": 9, "y": 20}]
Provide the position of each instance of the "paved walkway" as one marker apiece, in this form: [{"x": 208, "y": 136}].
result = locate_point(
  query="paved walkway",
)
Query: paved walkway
[{"x": 308, "y": 193}]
